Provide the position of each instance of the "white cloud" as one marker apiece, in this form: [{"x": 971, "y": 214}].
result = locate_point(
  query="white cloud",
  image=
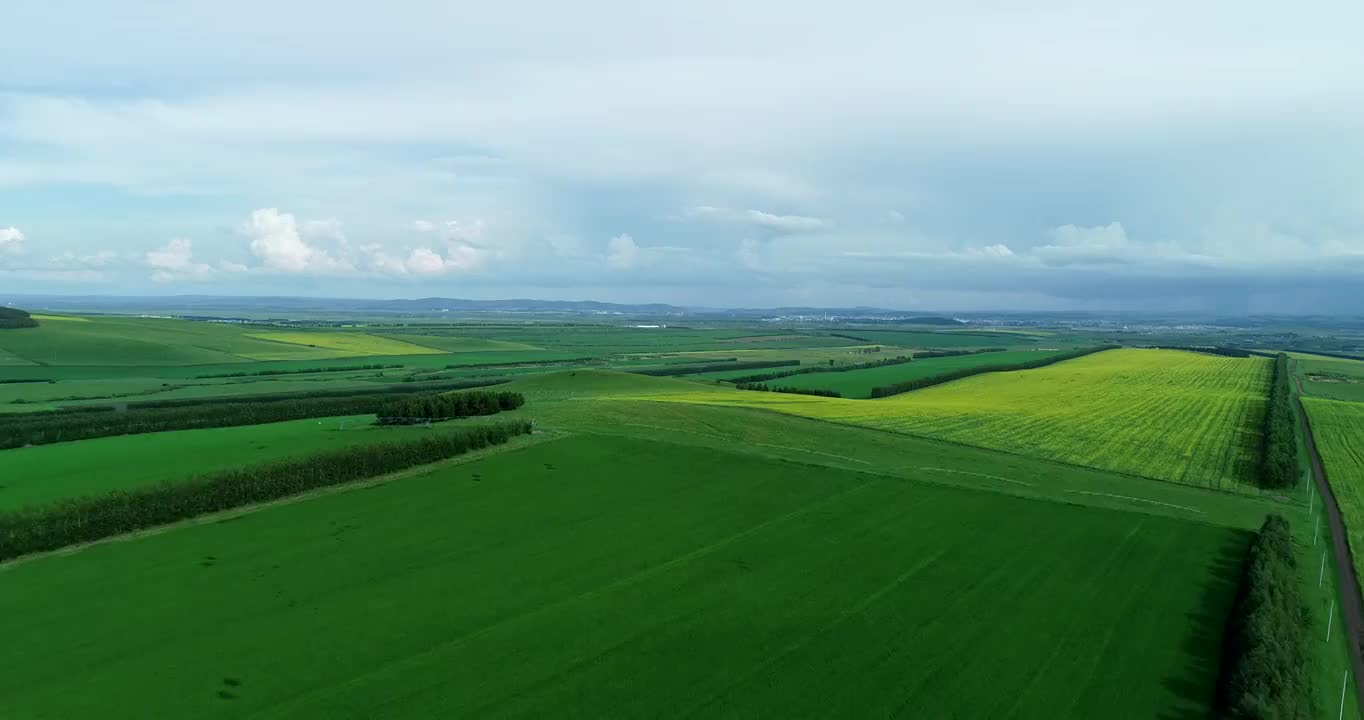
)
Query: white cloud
[
  {"x": 424, "y": 261},
  {"x": 895, "y": 217},
  {"x": 750, "y": 254},
  {"x": 278, "y": 244},
  {"x": 175, "y": 262},
  {"x": 622, "y": 253},
  {"x": 782, "y": 224},
  {"x": 73, "y": 260},
  {"x": 998, "y": 251},
  {"x": 11, "y": 241}
]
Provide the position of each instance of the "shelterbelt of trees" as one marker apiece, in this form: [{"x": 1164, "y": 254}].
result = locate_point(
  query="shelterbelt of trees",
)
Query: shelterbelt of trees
[
  {"x": 64, "y": 426},
  {"x": 14, "y": 318},
  {"x": 1266, "y": 670},
  {"x": 438, "y": 408},
  {"x": 764, "y": 387},
  {"x": 764, "y": 377},
  {"x": 1279, "y": 466},
  {"x": 920, "y": 383},
  {"x": 714, "y": 367},
  {"x": 83, "y": 520}
]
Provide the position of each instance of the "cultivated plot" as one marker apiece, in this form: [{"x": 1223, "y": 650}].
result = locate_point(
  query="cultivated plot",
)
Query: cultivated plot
[
  {"x": 595, "y": 577},
  {"x": 1168, "y": 415},
  {"x": 1338, "y": 428}
]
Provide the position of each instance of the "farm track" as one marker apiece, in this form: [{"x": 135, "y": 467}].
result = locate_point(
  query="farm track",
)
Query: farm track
[{"x": 1351, "y": 601}]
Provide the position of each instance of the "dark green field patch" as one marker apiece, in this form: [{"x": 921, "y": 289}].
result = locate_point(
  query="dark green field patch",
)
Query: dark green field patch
[{"x": 593, "y": 577}]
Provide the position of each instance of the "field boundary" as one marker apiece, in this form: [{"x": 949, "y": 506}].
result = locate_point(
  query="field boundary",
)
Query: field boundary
[
  {"x": 517, "y": 443},
  {"x": 1351, "y": 601}
]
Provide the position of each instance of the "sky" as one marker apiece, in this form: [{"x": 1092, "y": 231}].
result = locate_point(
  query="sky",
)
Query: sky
[{"x": 993, "y": 155}]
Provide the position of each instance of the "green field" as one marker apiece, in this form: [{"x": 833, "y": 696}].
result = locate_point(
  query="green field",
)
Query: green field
[
  {"x": 559, "y": 584},
  {"x": 46, "y": 473},
  {"x": 1338, "y": 428},
  {"x": 1168, "y": 415},
  {"x": 945, "y": 339},
  {"x": 859, "y": 383},
  {"x": 1331, "y": 377}
]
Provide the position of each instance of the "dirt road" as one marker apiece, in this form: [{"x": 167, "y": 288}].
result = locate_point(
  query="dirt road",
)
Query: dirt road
[{"x": 1351, "y": 603}]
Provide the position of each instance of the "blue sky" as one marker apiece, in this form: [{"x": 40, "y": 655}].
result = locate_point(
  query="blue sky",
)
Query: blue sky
[{"x": 1170, "y": 155}]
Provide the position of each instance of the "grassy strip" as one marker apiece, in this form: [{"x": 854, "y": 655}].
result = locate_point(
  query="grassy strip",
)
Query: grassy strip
[
  {"x": 299, "y": 371},
  {"x": 764, "y": 377},
  {"x": 64, "y": 427},
  {"x": 1279, "y": 457},
  {"x": 85, "y": 520},
  {"x": 764, "y": 387},
  {"x": 439, "y": 408},
  {"x": 1267, "y": 671},
  {"x": 713, "y": 367},
  {"x": 920, "y": 383}
]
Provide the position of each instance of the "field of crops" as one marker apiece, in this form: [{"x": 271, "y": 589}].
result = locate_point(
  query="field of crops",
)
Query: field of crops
[
  {"x": 1333, "y": 378},
  {"x": 942, "y": 339},
  {"x": 342, "y": 343},
  {"x": 1168, "y": 415},
  {"x": 1338, "y": 428},
  {"x": 859, "y": 383},
  {"x": 557, "y": 583}
]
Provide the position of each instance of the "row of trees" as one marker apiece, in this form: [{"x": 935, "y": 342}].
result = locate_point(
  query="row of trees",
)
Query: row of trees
[
  {"x": 83, "y": 424},
  {"x": 920, "y": 383},
  {"x": 764, "y": 387},
  {"x": 87, "y": 519},
  {"x": 13, "y": 318},
  {"x": 1279, "y": 451},
  {"x": 764, "y": 377},
  {"x": 412, "y": 410},
  {"x": 714, "y": 367},
  {"x": 1266, "y": 670},
  {"x": 1222, "y": 351},
  {"x": 927, "y": 354},
  {"x": 299, "y": 371}
]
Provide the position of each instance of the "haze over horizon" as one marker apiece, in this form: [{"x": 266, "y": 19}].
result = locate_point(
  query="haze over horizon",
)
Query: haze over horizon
[{"x": 901, "y": 155}]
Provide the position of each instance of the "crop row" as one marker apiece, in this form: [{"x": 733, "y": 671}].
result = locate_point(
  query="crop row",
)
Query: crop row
[
  {"x": 1030, "y": 364},
  {"x": 88, "y": 519}
]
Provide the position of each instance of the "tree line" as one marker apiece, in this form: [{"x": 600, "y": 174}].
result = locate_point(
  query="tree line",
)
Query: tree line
[
  {"x": 1279, "y": 441},
  {"x": 412, "y": 410},
  {"x": 81, "y": 520},
  {"x": 764, "y": 377},
  {"x": 927, "y": 354},
  {"x": 298, "y": 371},
  {"x": 920, "y": 383},
  {"x": 81, "y": 424},
  {"x": 764, "y": 387},
  {"x": 1266, "y": 662},
  {"x": 713, "y": 367},
  {"x": 1222, "y": 351},
  {"x": 14, "y": 318}
]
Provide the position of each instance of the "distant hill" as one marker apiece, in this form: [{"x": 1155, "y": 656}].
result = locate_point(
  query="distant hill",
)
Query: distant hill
[{"x": 13, "y": 318}]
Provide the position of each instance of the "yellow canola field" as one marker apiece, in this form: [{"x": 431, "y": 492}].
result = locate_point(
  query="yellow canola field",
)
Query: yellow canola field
[{"x": 1171, "y": 415}]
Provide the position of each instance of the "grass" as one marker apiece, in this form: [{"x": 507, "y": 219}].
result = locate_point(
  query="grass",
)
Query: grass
[
  {"x": 596, "y": 576},
  {"x": 1331, "y": 377},
  {"x": 342, "y": 343},
  {"x": 859, "y": 383},
  {"x": 46, "y": 473},
  {"x": 1169, "y": 415}
]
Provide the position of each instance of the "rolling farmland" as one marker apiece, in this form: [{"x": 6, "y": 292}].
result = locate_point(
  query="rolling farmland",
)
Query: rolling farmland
[
  {"x": 1185, "y": 417},
  {"x": 343, "y": 343},
  {"x": 560, "y": 584},
  {"x": 859, "y": 383}
]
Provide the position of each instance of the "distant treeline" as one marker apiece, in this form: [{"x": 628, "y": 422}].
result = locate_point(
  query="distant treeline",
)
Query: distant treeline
[
  {"x": 1342, "y": 356},
  {"x": 929, "y": 354},
  {"x": 920, "y": 383},
  {"x": 1223, "y": 351},
  {"x": 1266, "y": 661},
  {"x": 299, "y": 371},
  {"x": 714, "y": 367},
  {"x": 850, "y": 337},
  {"x": 518, "y": 363},
  {"x": 763, "y": 387},
  {"x": 27, "y": 380},
  {"x": 13, "y": 318},
  {"x": 438, "y": 408},
  {"x": 764, "y": 377},
  {"x": 1279, "y": 442},
  {"x": 88, "y": 519},
  {"x": 53, "y": 427}
]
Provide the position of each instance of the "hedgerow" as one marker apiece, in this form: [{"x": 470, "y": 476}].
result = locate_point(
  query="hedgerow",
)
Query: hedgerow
[
  {"x": 763, "y": 387},
  {"x": 764, "y": 377},
  {"x": 927, "y": 354},
  {"x": 1223, "y": 351},
  {"x": 1279, "y": 449},
  {"x": 713, "y": 367},
  {"x": 438, "y": 408},
  {"x": 88, "y": 519},
  {"x": 63, "y": 426},
  {"x": 920, "y": 383},
  {"x": 299, "y": 371},
  {"x": 1266, "y": 665}
]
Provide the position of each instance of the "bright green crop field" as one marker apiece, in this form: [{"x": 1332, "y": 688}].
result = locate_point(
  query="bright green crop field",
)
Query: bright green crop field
[
  {"x": 859, "y": 383},
  {"x": 1164, "y": 414},
  {"x": 1333, "y": 378},
  {"x": 592, "y": 576},
  {"x": 1338, "y": 428}
]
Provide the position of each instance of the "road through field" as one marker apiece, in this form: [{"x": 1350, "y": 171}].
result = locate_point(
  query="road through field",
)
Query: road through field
[{"x": 1351, "y": 603}]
